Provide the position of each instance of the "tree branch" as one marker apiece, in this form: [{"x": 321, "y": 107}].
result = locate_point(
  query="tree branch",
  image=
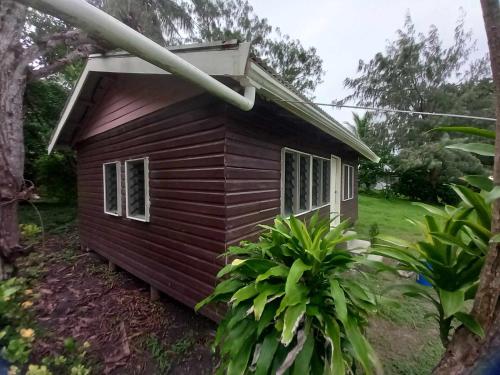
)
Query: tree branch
[{"x": 78, "y": 53}]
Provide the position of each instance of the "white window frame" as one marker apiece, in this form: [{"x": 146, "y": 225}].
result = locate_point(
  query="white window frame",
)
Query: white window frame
[
  {"x": 347, "y": 172},
  {"x": 147, "y": 203},
  {"x": 298, "y": 212},
  {"x": 118, "y": 167}
]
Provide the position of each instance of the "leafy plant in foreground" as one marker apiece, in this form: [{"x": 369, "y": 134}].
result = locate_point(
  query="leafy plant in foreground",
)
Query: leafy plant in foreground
[
  {"x": 296, "y": 303},
  {"x": 450, "y": 257}
]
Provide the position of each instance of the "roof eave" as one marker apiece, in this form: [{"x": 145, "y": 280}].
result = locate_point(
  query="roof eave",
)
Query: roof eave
[{"x": 271, "y": 88}]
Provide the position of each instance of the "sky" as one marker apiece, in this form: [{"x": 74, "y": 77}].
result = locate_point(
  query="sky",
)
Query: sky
[{"x": 345, "y": 31}]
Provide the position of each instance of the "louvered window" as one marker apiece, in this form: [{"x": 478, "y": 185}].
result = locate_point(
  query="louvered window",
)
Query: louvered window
[
  {"x": 137, "y": 189},
  {"x": 306, "y": 182},
  {"x": 112, "y": 188},
  {"x": 304, "y": 185},
  {"x": 320, "y": 182},
  {"x": 347, "y": 182},
  {"x": 290, "y": 188},
  {"x": 316, "y": 182}
]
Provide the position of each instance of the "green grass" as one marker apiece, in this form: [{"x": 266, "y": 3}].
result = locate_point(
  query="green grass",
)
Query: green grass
[
  {"x": 389, "y": 215},
  {"x": 406, "y": 342}
]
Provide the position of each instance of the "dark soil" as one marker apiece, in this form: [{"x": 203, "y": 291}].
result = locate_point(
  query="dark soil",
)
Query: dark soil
[{"x": 79, "y": 297}]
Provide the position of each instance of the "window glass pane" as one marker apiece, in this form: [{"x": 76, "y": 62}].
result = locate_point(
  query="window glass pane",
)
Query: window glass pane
[
  {"x": 304, "y": 178},
  {"x": 290, "y": 181},
  {"x": 316, "y": 182},
  {"x": 326, "y": 182},
  {"x": 111, "y": 184},
  {"x": 351, "y": 182},
  {"x": 345, "y": 182},
  {"x": 136, "y": 194}
]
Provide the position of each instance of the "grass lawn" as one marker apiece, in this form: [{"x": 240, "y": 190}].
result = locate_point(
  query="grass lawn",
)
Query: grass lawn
[
  {"x": 389, "y": 215},
  {"x": 405, "y": 342}
]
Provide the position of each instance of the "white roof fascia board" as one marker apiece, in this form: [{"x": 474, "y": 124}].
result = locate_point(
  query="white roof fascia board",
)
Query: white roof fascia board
[
  {"x": 68, "y": 107},
  {"x": 286, "y": 98}
]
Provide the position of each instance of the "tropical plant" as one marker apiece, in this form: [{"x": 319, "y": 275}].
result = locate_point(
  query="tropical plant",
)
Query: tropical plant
[
  {"x": 296, "y": 303},
  {"x": 450, "y": 256}
]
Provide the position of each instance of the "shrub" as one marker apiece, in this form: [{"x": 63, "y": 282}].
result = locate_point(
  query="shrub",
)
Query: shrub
[
  {"x": 296, "y": 302},
  {"x": 56, "y": 175},
  {"x": 450, "y": 257}
]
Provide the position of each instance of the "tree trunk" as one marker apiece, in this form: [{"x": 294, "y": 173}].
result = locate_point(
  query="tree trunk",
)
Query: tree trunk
[
  {"x": 13, "y": 75},
  {"x": 467, "y": 353}
]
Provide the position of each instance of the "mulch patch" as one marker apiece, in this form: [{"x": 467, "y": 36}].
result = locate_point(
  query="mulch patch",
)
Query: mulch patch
[{"x": 128, "y": 334}]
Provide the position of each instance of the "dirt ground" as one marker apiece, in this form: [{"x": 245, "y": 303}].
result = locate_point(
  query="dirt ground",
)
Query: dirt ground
[{"x": 80, "y": 297}]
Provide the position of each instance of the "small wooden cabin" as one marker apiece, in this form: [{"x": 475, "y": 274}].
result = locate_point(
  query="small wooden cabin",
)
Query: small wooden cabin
[{"x": 170, "y": 176}]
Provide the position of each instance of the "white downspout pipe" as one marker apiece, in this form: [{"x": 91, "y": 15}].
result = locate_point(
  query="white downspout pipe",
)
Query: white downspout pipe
[{"x": 100, "y": 24}]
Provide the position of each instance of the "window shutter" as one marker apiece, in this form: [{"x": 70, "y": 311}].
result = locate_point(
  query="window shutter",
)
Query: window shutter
[
  {"x": 304, "y": 182},
  {"x": 290, "y": 178}
]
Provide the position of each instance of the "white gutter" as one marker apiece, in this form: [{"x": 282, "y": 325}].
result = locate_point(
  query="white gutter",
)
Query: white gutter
[
  {"x": 103, "y": 26},
  {"x": 280, "y": 94}
]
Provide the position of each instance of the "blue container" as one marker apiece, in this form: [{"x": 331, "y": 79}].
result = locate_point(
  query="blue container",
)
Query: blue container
[
  {"x": 4, "y": 366},
  {"x": 423, "y": 281}
]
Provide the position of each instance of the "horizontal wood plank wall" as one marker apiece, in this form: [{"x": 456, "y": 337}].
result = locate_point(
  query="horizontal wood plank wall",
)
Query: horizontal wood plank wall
[
  {"x": 253, "y": 168},
  {"x": 129, "y": 97},
  {"x": 177, "y": 250}
]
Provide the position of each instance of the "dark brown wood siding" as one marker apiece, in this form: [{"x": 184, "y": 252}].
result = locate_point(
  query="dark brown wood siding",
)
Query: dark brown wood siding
[
  {"x": 214, "y": 175},
  {"x": 253, "y": 167},
  {"x": 177, "y": 250}
]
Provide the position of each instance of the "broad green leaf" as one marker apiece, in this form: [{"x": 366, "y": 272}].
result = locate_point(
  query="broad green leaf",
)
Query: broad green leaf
[
  {"x": 467, "y": 130},
  {"x": 452, "y": 302},
  {"x": 333, "y": 336},
  {"x": 449, "y": 240},
  {"x": 478, "y": 229},
  {"x": 300, "y": 231},
  {"x": 493, "y": 195},
  {"x": 244, "y": 293},
  {"x": 480, "y": 182},
  {"x": 259, "y": 302},
  {"x": 267, "y": 350},
  {"x": 339, "y": 299},
  {"x": 277, "y": 271},
  {"x": 483, "y": 149},
  {"x": 296, "y": 271},
  {"x": 293, "y": 315},
  {"x": 223, "y": 288},
  {"x": 495, "y": 238},
  {"x": 471, "y": 323},
  {"x": 362, "y": 350},
  {"x": 239, "y": 362},
  {"x": 432, "y": 209},
  {"x": 393, "y": 240},
  {"x": 303, "y": 360},
  {"x": 473, "y": 199}
]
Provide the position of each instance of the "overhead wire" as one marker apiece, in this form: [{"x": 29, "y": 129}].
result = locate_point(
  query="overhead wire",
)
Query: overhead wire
[{"x": 377, "y": 109}]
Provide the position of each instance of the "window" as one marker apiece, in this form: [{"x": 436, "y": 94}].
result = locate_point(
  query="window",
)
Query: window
[
  {"x": 111, "y": 176},
  {"x": 320, "y": 182},
  {"x": 305, "y": 183},
  {"x": 347, "y": 182},
  {"x": 137, "y": 189}
]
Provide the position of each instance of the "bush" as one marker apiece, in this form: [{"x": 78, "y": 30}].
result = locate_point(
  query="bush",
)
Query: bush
[
  {"x": 450, "y": 257},
  {"x": 296, "y": 301},
  {"x": 56, "y": 175}
]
